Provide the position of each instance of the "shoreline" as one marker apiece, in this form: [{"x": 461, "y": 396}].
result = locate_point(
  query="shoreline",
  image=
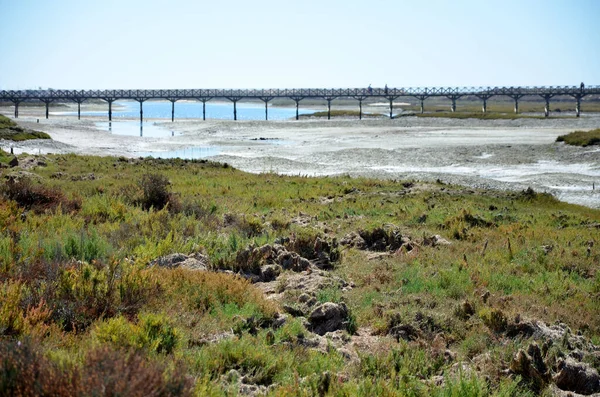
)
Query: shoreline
[{"x": 492, "y": 154}]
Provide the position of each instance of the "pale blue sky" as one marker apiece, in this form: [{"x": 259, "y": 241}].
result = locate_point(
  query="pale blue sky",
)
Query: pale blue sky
[{"x": 89, "y": 44}]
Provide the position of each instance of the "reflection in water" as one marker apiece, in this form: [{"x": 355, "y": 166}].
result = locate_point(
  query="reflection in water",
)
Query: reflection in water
[
  {"x": 193, "y": 110},
  {"x": 135, "y": 128}
]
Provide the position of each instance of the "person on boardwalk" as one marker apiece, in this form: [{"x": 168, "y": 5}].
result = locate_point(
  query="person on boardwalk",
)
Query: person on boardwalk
[
  {"x": 385, "y": 90},
  {"x": 370, "y": 90},
  {"x": 582, "y": 86}
]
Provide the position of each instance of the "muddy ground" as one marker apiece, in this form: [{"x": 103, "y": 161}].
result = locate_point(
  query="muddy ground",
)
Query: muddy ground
[{"x": 499, "y": 154}]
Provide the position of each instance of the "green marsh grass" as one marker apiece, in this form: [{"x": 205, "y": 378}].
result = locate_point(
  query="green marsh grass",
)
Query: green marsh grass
[
  {"x": 484, "y": 116},
  {"x": 75, "y": 279},
  {"x": 11, "y": 131},
  {"x": 581, "y": 138}
]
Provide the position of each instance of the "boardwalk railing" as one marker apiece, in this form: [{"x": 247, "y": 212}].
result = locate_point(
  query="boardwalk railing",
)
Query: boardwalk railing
[{"x": 297, "y": 94}]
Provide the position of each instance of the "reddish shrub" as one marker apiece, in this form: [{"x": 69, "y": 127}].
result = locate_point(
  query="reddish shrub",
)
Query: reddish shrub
[
  {"x": 38, "y": 198},
  {"x": 118, "y": 373},
  {"x": 25, "y": 371}
]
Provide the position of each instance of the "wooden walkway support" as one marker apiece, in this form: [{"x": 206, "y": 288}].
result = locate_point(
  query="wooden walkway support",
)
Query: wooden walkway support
[{"x": 266, "y": 95}]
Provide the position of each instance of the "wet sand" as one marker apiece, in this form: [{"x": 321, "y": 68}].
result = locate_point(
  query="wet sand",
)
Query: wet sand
[{"x": 498, "y": 154}]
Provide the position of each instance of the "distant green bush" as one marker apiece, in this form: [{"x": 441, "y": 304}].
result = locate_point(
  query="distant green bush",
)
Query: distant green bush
[
  {"x": 581, "y": 138},
  {"x": 481, "y": 116},
  {"x": 342, "y": 113},
  {"x": 10, "y": 131}
]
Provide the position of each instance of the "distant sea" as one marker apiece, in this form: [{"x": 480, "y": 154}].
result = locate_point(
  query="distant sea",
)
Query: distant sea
[{"x": 193, "y": 110}]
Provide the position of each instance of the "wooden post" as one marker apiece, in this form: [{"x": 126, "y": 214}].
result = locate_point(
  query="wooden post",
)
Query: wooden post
[
  {"x": 266, "y": 100},
  {"x": 328, "y": 109},
  {"x": 172, "y": 110},
  {"x": 391, "y": 108},
  {"x": 141, "y": 114},
  {"x": 547, "y": 104},
  {"x": 360, "y": 109},
  {"x": 47, "y": 108},
  {"x": 78, "y": 110},
  {"x": 234, "y": 110}
]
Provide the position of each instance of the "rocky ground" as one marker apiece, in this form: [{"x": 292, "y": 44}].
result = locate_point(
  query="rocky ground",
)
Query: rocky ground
[{"x": 556, "y": 359}]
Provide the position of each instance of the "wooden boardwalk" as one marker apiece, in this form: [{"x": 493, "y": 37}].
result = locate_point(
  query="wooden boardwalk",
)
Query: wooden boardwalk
[{"x": 297, "y": 94}]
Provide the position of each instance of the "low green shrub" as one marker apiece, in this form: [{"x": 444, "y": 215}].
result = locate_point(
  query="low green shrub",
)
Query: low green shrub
[
  {"x": 153, "y": 332},
  {"x": 581, "y": 138}
]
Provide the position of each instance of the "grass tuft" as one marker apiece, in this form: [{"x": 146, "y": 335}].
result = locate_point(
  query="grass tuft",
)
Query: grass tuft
[{"x": 581, "y": 138}]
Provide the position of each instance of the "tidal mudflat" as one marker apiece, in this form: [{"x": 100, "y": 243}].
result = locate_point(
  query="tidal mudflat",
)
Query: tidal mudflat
[{"x": 499, "y": 154}]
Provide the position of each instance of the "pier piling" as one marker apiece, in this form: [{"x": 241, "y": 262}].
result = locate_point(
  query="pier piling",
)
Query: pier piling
[
  {"x": 453, "y": 98},
  {"x": 578, "y": 103},
  {"x": 204, "y": 100},
  {"x": 516, "y": 98},
  {"x": 297, "y": 100},
  {"x": 173, "y": 109},
  {"x": 16, "y": 102},
  {"x": 47, "y": 103},
  {"x": 141, "y": 101},
  {"x": 266, "y": 101},
  {"x": 547, "y": 98}
]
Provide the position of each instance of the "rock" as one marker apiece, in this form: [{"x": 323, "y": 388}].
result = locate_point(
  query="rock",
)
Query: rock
[
  {"x": 525, "y": 329},
  {"x": 87, "y": 177},
  {"x": 14, "y": 162},
  {"x": 326, "y": 253},
  {"x": 577, "y": 377},
  {"x": 557, "y": 333},
  {"x": 232, "y": 376},
  {"x": 169, "y": 261},
  {"x": 292, "y": 261},
  {"x": 328, "y": 317},
  {"x": 339, "y": 336},
  {"x": 435, "y": 240},
  {"x": 304, "y": 297},
  {"x": 293, "y": 310},
  {"x": 269, "y": 272},
  {"x": 531, "y": 366},
  {"x": 485, "y": 296},
  {"x": 404, "y": 331},
  {"x": 193, "y": 262},
  {"x": 279, "y": 321},
  {"x": 32, "y": 162},
  {"x": 466, "y": 309},
  {"x": 58, "y": 175},
  {"x": 382, "y": 239},
  {"x": 354, "y": 240}
]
